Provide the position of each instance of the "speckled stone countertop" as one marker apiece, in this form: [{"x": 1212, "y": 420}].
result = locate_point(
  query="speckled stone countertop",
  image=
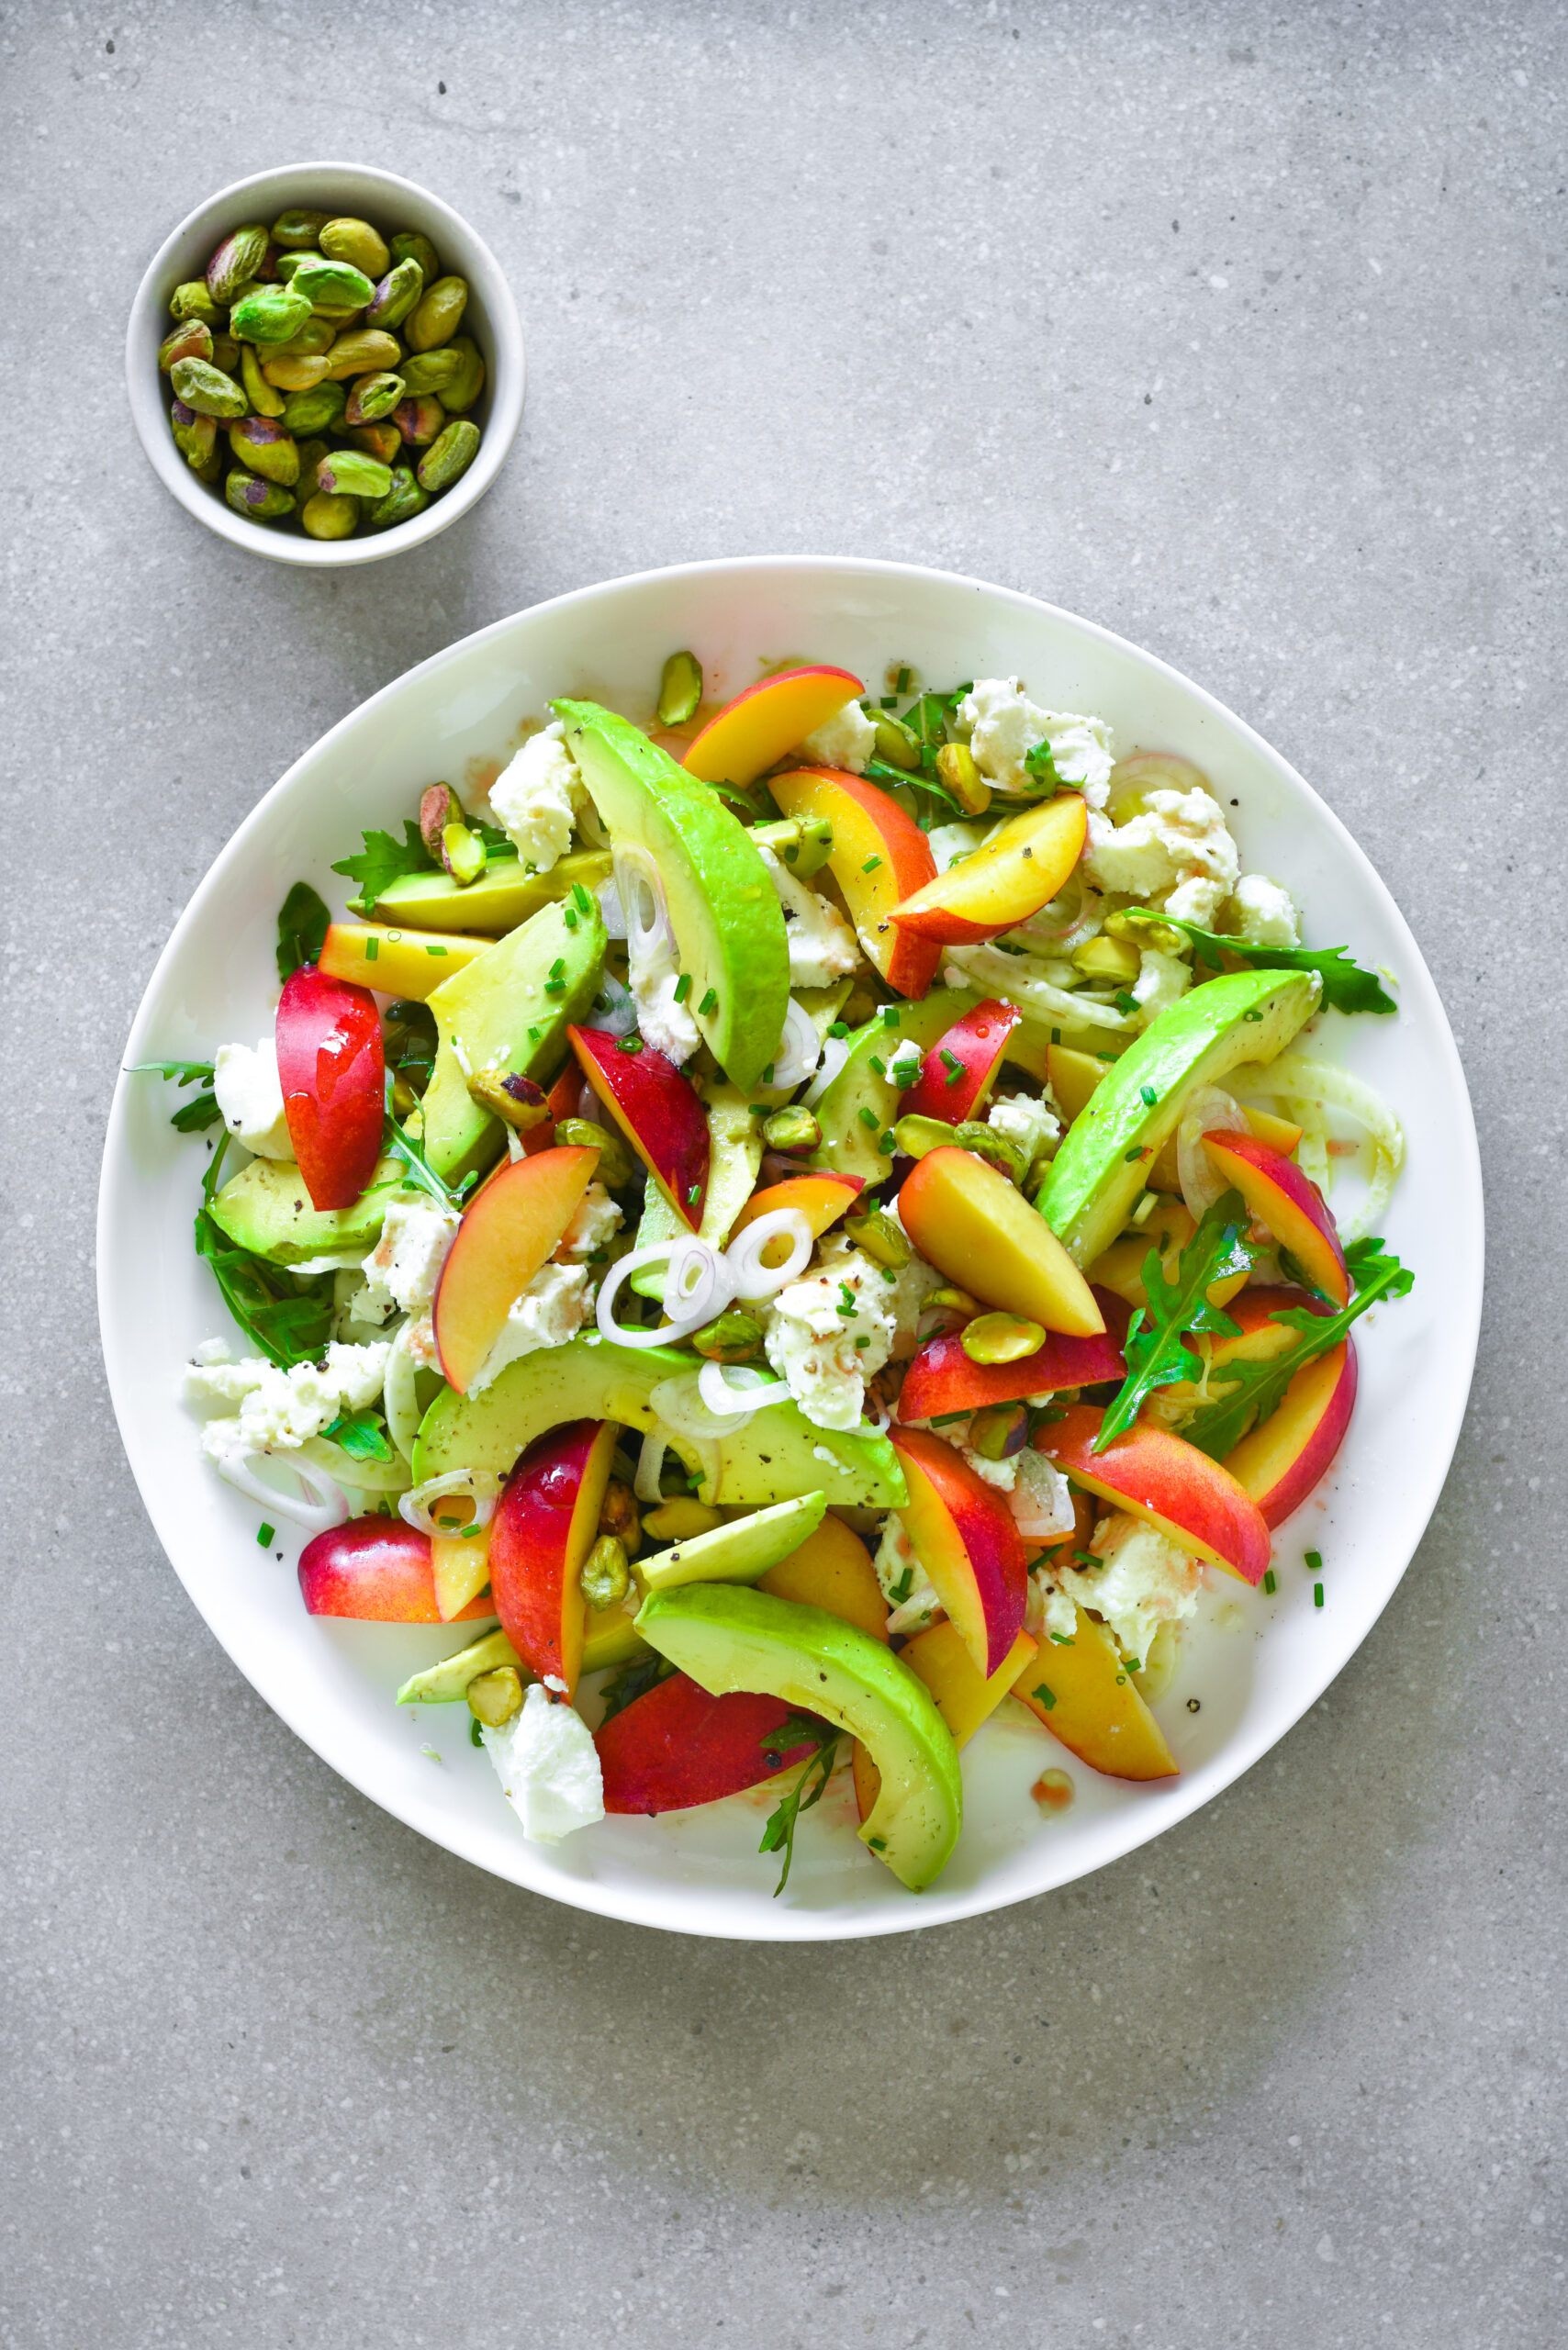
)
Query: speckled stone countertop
[{"x": 1239, "y": 330}]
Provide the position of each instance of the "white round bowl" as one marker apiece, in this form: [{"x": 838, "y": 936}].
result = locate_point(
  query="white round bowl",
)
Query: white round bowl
[
  {"x": 1256, "y": 1662},
  {"x": 393, "y": 204}
]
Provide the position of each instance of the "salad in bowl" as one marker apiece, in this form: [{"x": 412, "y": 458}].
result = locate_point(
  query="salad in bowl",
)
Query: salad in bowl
[{"x": 793, "y": 1225}]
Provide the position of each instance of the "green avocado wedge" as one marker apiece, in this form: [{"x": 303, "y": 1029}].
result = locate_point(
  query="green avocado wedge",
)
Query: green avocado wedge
[
  {"x": 507, "y": 1009},
  {"x": 729, "y": 1637},
  {"x": 728, "y": 923},
  {"x": 775, "y": 1457},
  {"x": 505, "y": 894},
  {"x": 738, "y": 1552},
  {"x": 1136, "y": 1107},
  {"x": 858, "y": 1110},
  {"x": 734, "y": 1139},
  {"x": 266, "y": 1208}
]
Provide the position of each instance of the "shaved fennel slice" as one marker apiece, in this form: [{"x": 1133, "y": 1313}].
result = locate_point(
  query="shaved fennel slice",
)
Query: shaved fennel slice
[
  {"x": 1013, "y": 978},
  {"x": 1308, "y": 1087}
]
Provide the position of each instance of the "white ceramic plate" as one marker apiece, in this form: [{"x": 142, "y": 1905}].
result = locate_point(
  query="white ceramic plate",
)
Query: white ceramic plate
[{"x": 1254, "y": 1664}]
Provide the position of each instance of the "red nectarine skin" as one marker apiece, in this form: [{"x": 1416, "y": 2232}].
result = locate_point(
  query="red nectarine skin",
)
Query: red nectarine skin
[
  {"x": 755, "y": 730},
  {"x": 508, "y": 1230},
  {"x": 1168, "y": 1483},
  {"x": 378, "y": 1571},
  {"x": 958, "y": 1070},
  {"x": 675, "y": 1746},
  {"x": 1280, "y": 1463},
  {"x": 968, "y": 1542},
  {"x": 943, "y": 1379},
  {"x": 659, "y": 1112},
  {"x": 1289, "y": 1202},
  {"x": 1024, "y": 863},
  {"x": 331, "y": 1068},
  {"x": 543, "y": 1529},
  {"x": 879, "y": 856}
]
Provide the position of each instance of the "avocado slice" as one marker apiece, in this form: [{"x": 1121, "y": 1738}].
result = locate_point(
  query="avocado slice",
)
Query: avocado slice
[
  {"x": 1136, "y": 1106},
  {"x": 505, "y": 894},
  {"x": 729, "y": 1637},
  {"x": 735, "y": 1154},
  {"x": 508, "y": 1009},
  {"x": 736, "y": 1552},
  {"x": 266, "y": 1208},
  {"x": 446, "y": 1682},
  {"x": 723, "y": 908},
  {"x": 778, "y": 1455},
  {"x": 858, "y": 1108}
]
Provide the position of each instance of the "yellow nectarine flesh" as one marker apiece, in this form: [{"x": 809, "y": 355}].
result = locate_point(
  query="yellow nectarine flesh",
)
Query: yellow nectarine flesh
[
  {"x": 833, "y": 1568},
  {"x": 964, "y": 1696},
  {"x": 507, "y": 1233},
  {"x": 1022, "y": 865},
  {"x": 1083, "y": 1693},
  {"x": 977, "y": 1228},
  {"x": 879, "y": 857},
  {"x": 753, "y": 732}
]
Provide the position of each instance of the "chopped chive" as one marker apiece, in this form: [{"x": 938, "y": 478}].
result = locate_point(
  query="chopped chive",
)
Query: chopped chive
[
  {"x": 534, "y": 1034},
  {"x": 1062, "y": 1640},
  {"x": 760, "y": 1109},
  {"x": 435, "y": 950},
  {"x": 1127, "y": 1001},
  {"x": 1270, "y": 1586},
  {"x": 1148, "y": 1095},
  {"x": 1056, "y": 1036},
  {"x": 569, "y": 917},
  {"x": 476, "y": 1732},
  {"x": 629, "y": 1045},
  {"x": 683, "y": 987},
  {"x": 580, "y": 896},
  {"x": 554, "y": 987},
  {"x": 1136, "y": 1152},
  {"x": 870, "y": 865},
  {"x": 881, "y": 1067},
  {"x": 768, "y": 1073},
  {"x": 1135, "y": 1664},
  {"x": 863, "y": 1341},
  {"x": 867, "y": 1118},
  {"x": 264, "y": 1533},
  {"x": 876, "y": 1843},
  {"x": 1252, "y": 1016},
  {"x": 887, "y": 702},
  {"x": 1315, "y": 1562},
  {"x": 903, "y": 681},
  {"x": 557, "y": 966},
  {"x": 371, "y": 949},
  {"x": 954, "y": 1066},
  {"x": 1047, "y": 1698},
  {"x": 839, "y": 1028},
  {"x": 710, "y": 1003},
  {"x": 691, "y": 1195},
  {"x": 1318, "y": 1595},
  {"x": 890, "y": 1016},
  {"x": 888, "y": 1146}
]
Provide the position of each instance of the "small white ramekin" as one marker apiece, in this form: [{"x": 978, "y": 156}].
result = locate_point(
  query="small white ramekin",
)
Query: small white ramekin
[{"x": 393, "y": 204}]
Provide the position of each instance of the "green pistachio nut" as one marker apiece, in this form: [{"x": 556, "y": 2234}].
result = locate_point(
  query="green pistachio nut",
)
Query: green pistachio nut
[
  {"x": 288, "y": 262},
  {"x": 1002, "y": 1429},
  {"x": 332, "y": 285},
  {"x": 973, "y": 1133},
  {"x": 409, "y": 245},
  {"x": 238, "y": 259},
  {"x": 196, "y": 436},
  {"x": 956, "y": 767},
  {"x": 211, "y": 472},
  {"x": 494, "y": 1697},
  {"x": 318, "y": 410},
  {"x": 878, "y": 1238},
  {"x": 449, "y": 456},
  {"x": 315, "y": 337},
  {"x": 605, "y": 1577},
  {"x": 615, "y": 1161},
  {"x": 895, "y": 743},
  {"x": 396, "y": 296},
  {"x": 735, "y": 1336},
  {"x": 402, "y": 501},
  {"x": 263, "y": 399},
  {"x": 791, "y": 1130},
  {"x": 263, "y": 446},
  {"x": 420, "y": 418},
  {"x": 207, "y": 388},
  {"x": 439, "y": 313},
  {"x": 192, "y": 300},
  {"x": 325, "y": 517},
  {"x": 345, "y": 472},
  {"x": 311, "y": 454},
  {"x": 680, "y": 689},
  {"x": 381, "y": 441},
  {"x": 469, "y": 381},
  {"x": 243, "y": 293},
  {"x": 356, "y": 242},
  {"x": 225, "y": 353},
  {"x": 431, "y": 371},
  {"x": 191, "y": 339},
  {"x": 298, "y": 226},
  {"x": 259, "y": 502},
  {"x": 1001, "y": 1337},
  {"x": 373, "y": 397},
  {"x": 368, "y": 352},
  {"x": 273, "y": 315}
]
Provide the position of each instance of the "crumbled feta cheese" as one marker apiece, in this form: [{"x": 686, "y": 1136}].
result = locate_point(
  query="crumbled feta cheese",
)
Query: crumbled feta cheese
[
  {"x": 537, "y": 798},
  {"x": 549, "y": 1769},
  {"x": 354, "y": 1318},
  {"x": 1002, "y": 1474},
  {"x": 1262, "y": 913},
  {"x": 948, "y": 843},
  {"x": 404, "y": 1267},
  {"x": 1030, "y": 1124},
  {"x": 847, "y": 741},
  {"x": 552, "y": 1309},
  {"x": 1051, "y": 1614},
  {"x": 906, "y": 1587},
  {"x": 663, "y": 1022},
  {"x": 1145, "y": 1580},
  {"x": 595, "y": 1220},
  {"x": 249, "y": 1094},
  {"x": 1161, "y": 980},
  {"x": 252, "y": 1406},
  {"x": 1041, "y": 1500},
  {"x": 821, "y": 944},
  {"x": 902, "y": 1294},
  {"x": 1176, "y": 853},
  {"x": 811, "y": 1329},
  {"x": 1007, "y": 726}
]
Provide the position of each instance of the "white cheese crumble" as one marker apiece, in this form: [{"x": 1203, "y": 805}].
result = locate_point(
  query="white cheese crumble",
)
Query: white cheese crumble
[
  {"x": 821, "y": 944},
  {"x": 538, "y": 798},
  {"x": 595, "y": 1220},
  {"x": 402, "y": 1269},
  {"x": 1051, "y": 1613},
  {"x": 1161, "y": 978},
  {"x": 1030, "y": 1124},
  {"x": 1041, "y": 1499},
  {"x": 811, "y": 1329},
  {"x": 249, "y": 1094},
  {"x": 1262, "y": 913},
  {"x": 663, "y": 1022},
  {"x": 552, "y": 1309},
  {"x": 549, "y": 1769},
  {"x": 906, "y": 1587},
  {"x": 252, "y": 1406},
  {"x": 1145, "y": 1580},
  {"x": 1176, "y": 853},
  {"x": 1007, "y": 726},
  {"x": 844, "y": 740}
]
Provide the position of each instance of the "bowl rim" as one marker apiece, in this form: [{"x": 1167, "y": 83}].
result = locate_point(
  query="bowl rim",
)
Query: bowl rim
[
  {"x": 1422, "y": 1479},
  {"x": 507, "y": 385}
]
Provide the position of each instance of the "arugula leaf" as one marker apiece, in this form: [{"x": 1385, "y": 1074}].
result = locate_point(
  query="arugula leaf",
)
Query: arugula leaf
[
  {"x": 191, "y": 1116},
  {"x": 1253, "y": 1390},
  {"x": 302, "y": 921},
  {"x": 632, "y": 1682},
  {"x": 383, "y": 861},
  {"x": 1041, "y": 765},
  {"x": 359, "y": 1434},
  {"x": 203, "y": 1112},
  {"x": 1346, "y": 987},
  {"x": 797, "y": 1729},
  {"x": 421, "y": 1176},
  {"x": 286, "y": 1322},
  {"x": 1155, "y": 1355}
]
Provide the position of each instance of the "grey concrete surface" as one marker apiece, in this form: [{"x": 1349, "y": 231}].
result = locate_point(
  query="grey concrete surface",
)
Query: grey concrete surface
[{"x": 1235, "y": 327}]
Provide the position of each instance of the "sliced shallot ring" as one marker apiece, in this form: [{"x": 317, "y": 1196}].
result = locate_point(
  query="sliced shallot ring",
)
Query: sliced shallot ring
[
  {"x": 799, "y": 1047},
  {"x": 836, "y": 1052},
  {"x": 609, "y": 1288},
  {"x": 481, "y": 1483},
  {"x": 754, "y": 1281},
  {"x": 710, "y": 1293},
  {"x": 328, "y": 1508},
  {"x": 650, "y": 1465},
  {"x": 726, "y": 1402}
]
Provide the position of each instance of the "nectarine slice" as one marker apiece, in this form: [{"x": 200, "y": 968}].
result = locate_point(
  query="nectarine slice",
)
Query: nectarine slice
[
  {"x": 752, "y": 734},
  {"x": 1021, "y": 868},
  {"x": 675, "y": 1746},
  {"x": 957, "y": 1072},
  {"x": 545, "y": 1526},
  {"x": 659, "y": 1112},
  {"x": 1289, "y": 1203},
  {"x": 1083, "y": 1693},
  {"x": 974, "y": 1226},
  {"x": 833, "y": 1568},
  {"x": 410, "y": 964},
  {"x": 821, "y": 1199},
  {"x": 1168, "y": 1484},
  {"x": 879, "y": 857},
  {"x": 942, "y": 1377},
  {"x": 331, "y": 1068},
  {"x": 508, "y": 1232},
  {"x": 1280, "y": 1462},
  {"x": 966, "y": 1540},
  {"x": 964, "y": 1696},
  {"x": 378, "y": 1571}
]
